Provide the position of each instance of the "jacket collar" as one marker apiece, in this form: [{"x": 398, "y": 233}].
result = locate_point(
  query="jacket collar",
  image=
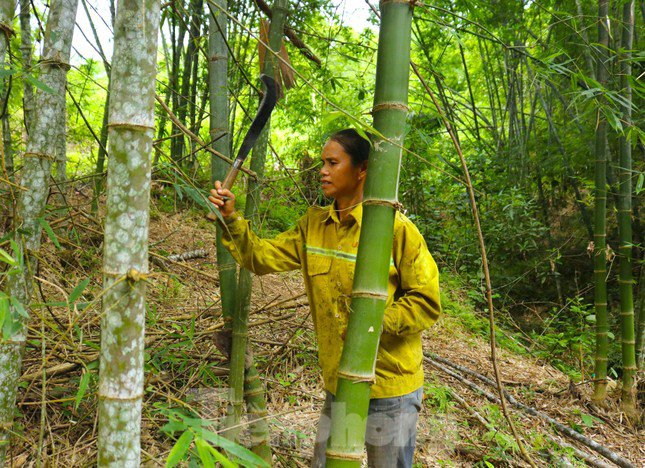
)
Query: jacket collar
[{"x": 356, "y": 214}]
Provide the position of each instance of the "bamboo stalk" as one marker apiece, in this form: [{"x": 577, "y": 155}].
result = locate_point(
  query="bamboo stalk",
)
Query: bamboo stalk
[
  {"x": 36, "y": 170},
  {"x": 131, "y": 133},
  {"x": 240, "y": 320},
  {"x": 625, "y": 282},
  {"x": 600, "y": 235},
  {"x": 369, "y": 295}
]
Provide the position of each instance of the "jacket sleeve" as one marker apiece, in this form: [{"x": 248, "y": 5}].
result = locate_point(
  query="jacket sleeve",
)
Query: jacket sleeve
[
  {"x": 262, "y": 256},
  {"x": 416, "y": 305}
]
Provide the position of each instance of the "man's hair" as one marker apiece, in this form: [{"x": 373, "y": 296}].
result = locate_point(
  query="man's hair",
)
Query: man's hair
[{"x": 354, "y": 144}]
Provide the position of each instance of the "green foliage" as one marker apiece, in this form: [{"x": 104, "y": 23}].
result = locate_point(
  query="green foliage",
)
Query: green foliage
[
  {"x": 567, "y": 340},
  {"x": 206, "y": 441},
  {"x": 438, "y": 397}
]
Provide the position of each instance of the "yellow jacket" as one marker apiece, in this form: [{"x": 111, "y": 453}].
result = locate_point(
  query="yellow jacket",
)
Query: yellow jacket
[{"x": 325, "y": 250}]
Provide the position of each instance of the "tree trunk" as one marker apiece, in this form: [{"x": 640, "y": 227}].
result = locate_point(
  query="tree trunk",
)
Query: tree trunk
[
  {"x": 102, "y": 150},
  {"x": 7, "y": 8},
  {"x": 254, "y": 190},
  {"x": 60, "y": 163},
  {"x": 184, "y": 97},
  {"x": 628, "y": 400},
  {"x": 125, "y": 255},
  {"x": 178, "y": 30},
  {"x": 600, "y": 263},
  {"x": 370, "y": 292},
  {"x": 31, "y": 204},
  {"x": 26, "y": 47}
]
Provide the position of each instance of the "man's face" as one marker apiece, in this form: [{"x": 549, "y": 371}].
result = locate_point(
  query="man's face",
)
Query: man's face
[{"x": 339, "y": 177}]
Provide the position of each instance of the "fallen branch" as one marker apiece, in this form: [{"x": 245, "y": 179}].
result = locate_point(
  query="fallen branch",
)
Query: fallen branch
[
  {"x": 190, "y": 255},
  {"x": 588, "y": 458},
  {"x": 433, "y": 360}
]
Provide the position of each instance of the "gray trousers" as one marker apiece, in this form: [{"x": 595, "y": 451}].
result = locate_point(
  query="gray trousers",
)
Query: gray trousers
[{"x": 390, "y": 435}]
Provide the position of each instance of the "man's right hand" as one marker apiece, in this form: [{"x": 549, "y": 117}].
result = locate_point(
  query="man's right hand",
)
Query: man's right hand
[{"x": 223, "y": 199}]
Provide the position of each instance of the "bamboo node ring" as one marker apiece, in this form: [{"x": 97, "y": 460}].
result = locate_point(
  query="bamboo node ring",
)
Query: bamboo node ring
[
  {"x": 410, "y": 2},
  {"x": 390, "y": 105},
  {"x": 115, "y": 398},
  {"x": 113, "y": 274},
  {"x": 34, "y": 154},
  {"x": 397, "y": 205},
  {"x": 131, "y": 126},
  {"x": 135, "y": 275},
  {"x": 344, "y": 456},
  {"x": 54, "y": 62},
  {"x": 9, "y": 31},
  {"x": 370, "y": 295},
  {"x": 357, "y": 378},
  {"x": 229, "y": 267}
]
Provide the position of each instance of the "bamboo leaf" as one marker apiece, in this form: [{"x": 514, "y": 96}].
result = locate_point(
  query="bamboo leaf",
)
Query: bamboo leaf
[
  {"x": 245, "y": 455},
  {"x": 82, "y": 388},
  {"x": 639, "y": 183},
  {"x": 78, "y": 290},
  {"x": 5, "y": 257},
  {"x": 329, "y": 118},
  {"x": 39, "y": 84},
  {"x": 50, "y": 232},
  {"x": 6, "y": 72},
  {"x": 204, "y": 453},
  {"x": 4, "y": 308},
  {"x": 18, "y": 307},
  {"x": 179, "y": 449},
  {"x": 226, "y": 463}
]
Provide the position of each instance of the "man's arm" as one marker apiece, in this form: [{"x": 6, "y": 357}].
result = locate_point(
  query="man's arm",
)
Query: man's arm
[
  {"x": 419, "y": 305},
  {"x": 261, "y": 256}
]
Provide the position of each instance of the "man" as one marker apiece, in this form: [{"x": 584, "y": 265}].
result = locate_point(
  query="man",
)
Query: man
[{"x": 323, "y": 246}]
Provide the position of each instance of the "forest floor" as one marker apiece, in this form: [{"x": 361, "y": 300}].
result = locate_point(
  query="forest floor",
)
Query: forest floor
[{"x": 186, "y": 374}]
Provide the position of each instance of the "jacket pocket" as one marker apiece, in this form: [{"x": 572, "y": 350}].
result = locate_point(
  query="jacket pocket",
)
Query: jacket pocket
[{"x": 318, "y": 265}]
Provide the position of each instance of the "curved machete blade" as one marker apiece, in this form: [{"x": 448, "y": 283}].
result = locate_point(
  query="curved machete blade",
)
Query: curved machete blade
[
  {"x": 264, "y": 112},
  {"x": 261, "y": 118}
]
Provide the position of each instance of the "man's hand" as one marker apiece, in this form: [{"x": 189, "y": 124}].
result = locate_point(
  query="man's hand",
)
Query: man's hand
[{"x": 223, "y": 199}]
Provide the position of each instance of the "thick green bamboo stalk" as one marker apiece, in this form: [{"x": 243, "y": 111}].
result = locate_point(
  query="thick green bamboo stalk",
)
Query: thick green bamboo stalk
[
  {"x": 240, "y": 320},
  {"x": 125, "y": 253},
  {"x": 370, "y": 292},
  {"x": 599, "y": 262},
  {"x": 625, "y": 281},
  {"x": 219, "y": 110},
  {"x": 36, "y": 170}
]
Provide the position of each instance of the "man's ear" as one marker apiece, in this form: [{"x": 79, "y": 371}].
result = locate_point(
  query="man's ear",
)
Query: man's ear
[{"x": 363, "y": 172}]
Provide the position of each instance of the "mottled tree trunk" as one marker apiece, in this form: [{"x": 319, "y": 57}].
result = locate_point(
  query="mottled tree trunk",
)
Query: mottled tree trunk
[
  {"x": 26, "y": 49},
  {"x": 7, "y": 8},
  {"x": 125, "y": 255},
  {"x": 38, "y": 158}
]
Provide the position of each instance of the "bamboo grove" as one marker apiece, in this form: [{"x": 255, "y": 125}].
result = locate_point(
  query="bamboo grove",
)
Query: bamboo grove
[{"x": 541, "y": 99}]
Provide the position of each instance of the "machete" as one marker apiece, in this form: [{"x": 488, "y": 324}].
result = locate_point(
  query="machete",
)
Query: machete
[{"x": 262, "y": 117}]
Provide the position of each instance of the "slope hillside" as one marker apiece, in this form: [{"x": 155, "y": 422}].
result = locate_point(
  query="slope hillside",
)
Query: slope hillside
[{"x": 186, "y": 374}]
